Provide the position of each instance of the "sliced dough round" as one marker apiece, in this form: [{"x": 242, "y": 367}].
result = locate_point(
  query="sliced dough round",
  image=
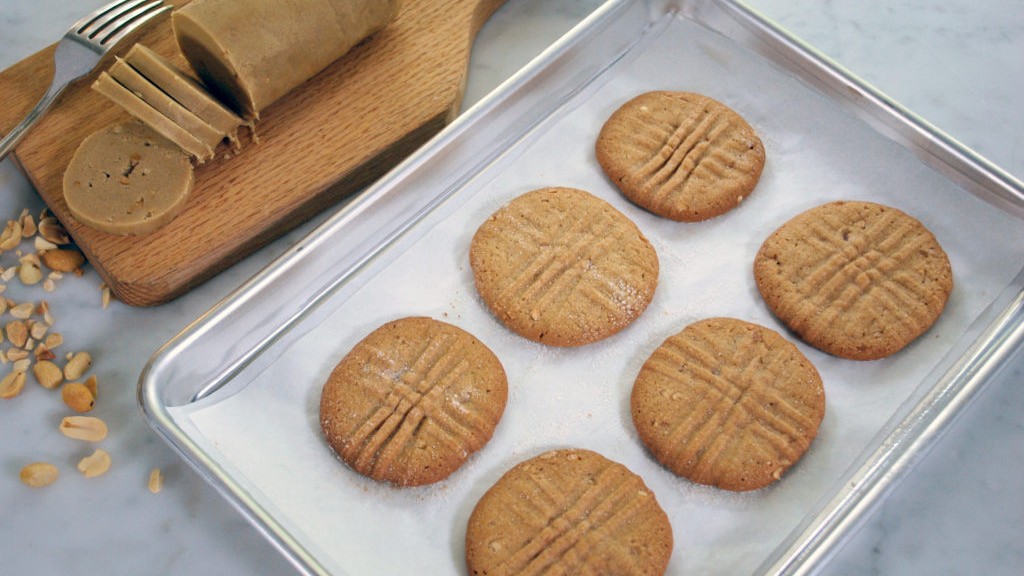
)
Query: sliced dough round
[{"x": 127, "y": 179}]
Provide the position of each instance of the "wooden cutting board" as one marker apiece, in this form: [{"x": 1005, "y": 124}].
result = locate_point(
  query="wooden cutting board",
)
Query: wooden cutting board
[{"x": 322, "y": 142}]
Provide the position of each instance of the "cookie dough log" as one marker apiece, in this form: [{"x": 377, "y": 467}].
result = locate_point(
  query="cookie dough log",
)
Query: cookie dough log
[
  {"x": 252, "y": 53},
  {"x": 127, "y": 179}
]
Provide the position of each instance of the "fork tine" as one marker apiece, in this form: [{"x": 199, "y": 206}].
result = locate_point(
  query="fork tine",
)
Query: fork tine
[
  {"x": 101, "y": 14},
  {"x": 131, "y": 24},
  {"x": 114, "y": 21}
]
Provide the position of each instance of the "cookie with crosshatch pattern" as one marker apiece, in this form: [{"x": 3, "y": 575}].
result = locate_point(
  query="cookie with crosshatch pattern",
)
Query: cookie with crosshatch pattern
[
  {"x": 858, "y": 280},
  {"x": 569, "y": 511},
  {"x": 680, "y": 155},
  {"x": 563, "y": 267},
  {"x": 727, "y": 403},
  {"x": 412, "y": 401}
]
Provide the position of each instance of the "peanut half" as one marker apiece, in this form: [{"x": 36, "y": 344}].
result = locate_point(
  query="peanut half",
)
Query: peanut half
[
  {"x": 92, "y": 385},
  {"x": 28, "y": 224},
  {"x": 22, "y": 311},
  {"x": 156, "y": 480},
  {"x": 42, "y": 244},
  {"x": 12, "y": 385},
  {"x": 52, "y": 231},
  {"x": 38, "y": 474},
  {"x": 38, "y": 330},
  {"x": 11, "y": 235},
  {"x": 29, "y": 272},
  {"x": 17, "y": 332},
  {"x": 95, "y": 464},
  {"x": 88, "y": 428},
  {"x": 53, "y": 340}
]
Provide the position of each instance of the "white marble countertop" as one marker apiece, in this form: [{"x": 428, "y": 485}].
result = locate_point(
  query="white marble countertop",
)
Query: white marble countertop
[{"x": 960, "y": 510}]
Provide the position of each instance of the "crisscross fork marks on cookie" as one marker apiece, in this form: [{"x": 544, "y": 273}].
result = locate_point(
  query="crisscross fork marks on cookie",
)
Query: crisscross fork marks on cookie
[
  {"x": 380, "y": 438},
  {"x": 684, "y": 154},
  {"x": 840, "y": 254},
  {"x": 759, "y": 411},
  {"x": 730, "y": 399},
  {"x": 575, "y": 524},
  {"x": 862, "y": 269},
  {"x": 674, "y": 142},
  {"x": 554, "y": 273},
  {"x": 532, "y": 236},
  {"x": 557, "y": 255},
  {"x": 582, "y": 277},
  {"x": 403, "y": 394}
]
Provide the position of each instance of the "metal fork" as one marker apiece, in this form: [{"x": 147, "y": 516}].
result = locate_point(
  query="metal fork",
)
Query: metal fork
[{"x": 82, "y": 48}]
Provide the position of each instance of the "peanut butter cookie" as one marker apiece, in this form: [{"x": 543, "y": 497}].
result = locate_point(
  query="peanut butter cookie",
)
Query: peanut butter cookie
[
  {"x": 858, "y": 280},
  {"x": 568, "y": 512},
  {"x": 412, "y": 401},
  {"x": 680, "y": 155},
  {"x": 728, "y": 403},
  {"x": 562, "y": 267}
]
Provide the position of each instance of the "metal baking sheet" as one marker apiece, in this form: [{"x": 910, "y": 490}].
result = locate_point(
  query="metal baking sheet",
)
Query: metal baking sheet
[{"x": 237, "y": 392}]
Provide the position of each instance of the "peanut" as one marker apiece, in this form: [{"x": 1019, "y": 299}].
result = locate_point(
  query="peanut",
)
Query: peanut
[
  {"x": 95, "y": 464},
  {"x": 43, "y": 309},
  {"x": 43, "y": 353},
  {"x": 92, "y": 385},
  {"x": 77, "y": 365},
  {"x": 12, "y": 385},
  {"x": 87, "y": 428},
  {"x": 42, "y": 244},
  {"x": 15, "y": 354},
  {"x": 22, "y": 311},
  {"x": 11, "y": 236},
  {"x": 156, "y": 480},
  {"x": 29, "y": 271},
  {"x": 78, "y": 397},
  {"x": 21, "y": 365},
  {"x": 47, "y": 374},
  {"x": 39, "y": 474},
  {"x": 28, "y": 224},
  {"x": 52, "y": 231},
  {"x": 38, "y": 330},
  {"x": 53, "y": 340},
  {"x": 63, "y": 259},
  {"x": 105, "y": 296},
  {"x": 17, "y": 332}
]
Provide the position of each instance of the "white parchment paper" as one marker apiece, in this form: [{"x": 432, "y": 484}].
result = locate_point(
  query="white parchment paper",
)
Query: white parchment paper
[{"x": 267, "y": 434}]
